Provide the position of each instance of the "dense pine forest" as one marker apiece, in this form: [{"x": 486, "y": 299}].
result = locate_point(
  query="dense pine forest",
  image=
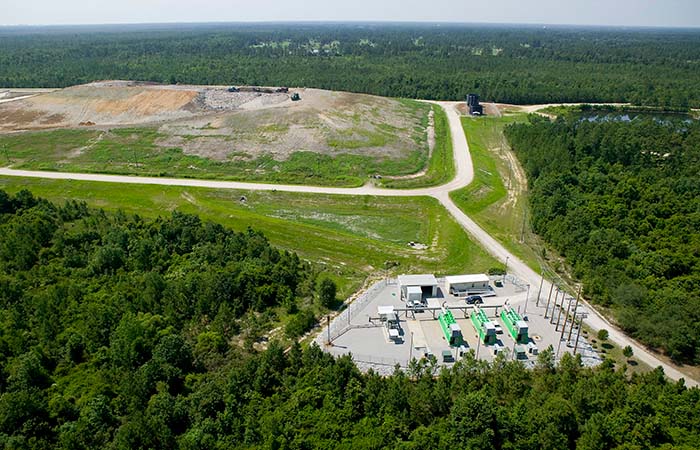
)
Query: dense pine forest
[
  {"x": 621, "y": 200},
  {"x": 502, "y": 63},
  {"x": 122, "y": 333}
]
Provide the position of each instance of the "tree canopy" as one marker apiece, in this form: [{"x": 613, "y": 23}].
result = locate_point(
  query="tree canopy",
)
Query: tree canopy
[
  {"x": 513, "y": 64},
  {"x": 121, "y": 333},
  {"x": 621, "y": 201}
]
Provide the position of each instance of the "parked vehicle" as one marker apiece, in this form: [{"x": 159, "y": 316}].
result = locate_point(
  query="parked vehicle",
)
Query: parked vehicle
[{"x": 474, "y": 300}]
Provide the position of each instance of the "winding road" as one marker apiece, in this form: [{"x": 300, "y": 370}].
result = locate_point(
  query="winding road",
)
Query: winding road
[{"x": 464, "y": 176}]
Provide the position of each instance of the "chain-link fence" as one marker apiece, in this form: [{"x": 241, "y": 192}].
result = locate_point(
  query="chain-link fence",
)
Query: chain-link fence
[
  {"x": 343, "y": 321},
  {"x": 379, "y": 360},
  {"x": 520, "y": 286}
]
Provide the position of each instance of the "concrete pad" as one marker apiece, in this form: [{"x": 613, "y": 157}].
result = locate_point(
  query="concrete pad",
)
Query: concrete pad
[{"x": 370, "y": 344}]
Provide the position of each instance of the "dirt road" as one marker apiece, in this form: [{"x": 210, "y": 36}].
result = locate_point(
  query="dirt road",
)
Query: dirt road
[
  {"x": 464, "y": 176},
  {"x": 14, "y": 99},
  {"x": 463, "y": 166}
]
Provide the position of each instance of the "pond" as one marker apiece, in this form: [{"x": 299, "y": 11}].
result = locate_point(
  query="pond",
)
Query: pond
[{"x": 656, "y": 116}]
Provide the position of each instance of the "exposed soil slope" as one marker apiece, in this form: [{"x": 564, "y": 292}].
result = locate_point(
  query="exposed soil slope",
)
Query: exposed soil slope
[{"x": 211, "y": 122}]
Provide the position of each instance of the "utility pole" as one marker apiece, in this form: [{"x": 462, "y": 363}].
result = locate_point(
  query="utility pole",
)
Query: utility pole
[
  {"x": 539, "y": 292},
  {"x": 549, "y": 297},
  {"x": 563, "y": 329},
  {"x": 566, "y": 318},
  {"x": 575, "y": 309},
  {"x": 578, "y": 335},
  {"x": 328, "y": 318},
  {"x": 560, "y": 310},
  {"x": 554, "y": 306}
]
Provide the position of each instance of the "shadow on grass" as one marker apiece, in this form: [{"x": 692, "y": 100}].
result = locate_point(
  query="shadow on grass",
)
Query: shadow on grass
[{"x": 607, "y": 346}]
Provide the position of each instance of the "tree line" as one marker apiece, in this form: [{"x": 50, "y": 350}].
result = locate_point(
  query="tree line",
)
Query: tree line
[
  {"x": 621, "y": 201},
  {"x": 445, "y": 62}
]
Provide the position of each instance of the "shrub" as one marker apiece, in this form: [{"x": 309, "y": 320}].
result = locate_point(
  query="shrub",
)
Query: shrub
[{"x": 603, "y": 335}]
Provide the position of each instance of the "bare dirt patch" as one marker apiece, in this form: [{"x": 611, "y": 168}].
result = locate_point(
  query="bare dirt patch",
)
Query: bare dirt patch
[
  {"x": 324, "y": 122},
  {"x": 13, "y": 118},
  {"x": 98, "y": 103},
  {"x": 211, "y": 122},
  {"x": 492, "y": 109},
  {"x": 149, "y": 102}
]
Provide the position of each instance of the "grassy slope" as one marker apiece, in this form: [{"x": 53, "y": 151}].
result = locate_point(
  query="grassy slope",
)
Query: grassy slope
[
  {"x": 486, "y": 199},
  {"x": 133, "y": 151},
  {"x": 354, "y": 236},
  {"x": 441, "y": 167}
]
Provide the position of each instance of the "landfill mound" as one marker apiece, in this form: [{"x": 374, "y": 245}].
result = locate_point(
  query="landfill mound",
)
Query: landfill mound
[{"x": 114, "y": 103}]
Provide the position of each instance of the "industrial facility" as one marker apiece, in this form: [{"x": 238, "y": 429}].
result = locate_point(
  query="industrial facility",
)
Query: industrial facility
[{"x": 424, "y": 316}]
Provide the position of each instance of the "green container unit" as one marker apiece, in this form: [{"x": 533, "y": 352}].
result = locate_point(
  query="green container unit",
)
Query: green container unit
[
  {"x": 452, "y": 332},
  {"x": 516, "y": 326},
  {"x": 484, "y": 327}
]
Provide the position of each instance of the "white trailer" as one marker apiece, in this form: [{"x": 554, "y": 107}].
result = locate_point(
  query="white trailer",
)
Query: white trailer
[{"x": 467, "y": 284}]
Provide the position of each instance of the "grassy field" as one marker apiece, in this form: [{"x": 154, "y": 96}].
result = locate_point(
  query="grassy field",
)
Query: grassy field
[
  {"x": 441, "y": 167},
  {"x": 354, "y": 237},
  {"x": 140, "y": 151},
  {"x": 133, "y": 151},
  {"x": 497, "y": 198}
]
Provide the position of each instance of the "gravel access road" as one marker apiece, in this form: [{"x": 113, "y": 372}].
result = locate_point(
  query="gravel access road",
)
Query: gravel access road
[{"x": 464, "y": 176}]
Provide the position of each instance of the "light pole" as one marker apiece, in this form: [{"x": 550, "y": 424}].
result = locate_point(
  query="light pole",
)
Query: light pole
[{"x": 505, "y": 269}]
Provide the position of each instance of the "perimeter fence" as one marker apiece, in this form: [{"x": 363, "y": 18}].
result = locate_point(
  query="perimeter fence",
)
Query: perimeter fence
[{"x": 343, "y": 321}]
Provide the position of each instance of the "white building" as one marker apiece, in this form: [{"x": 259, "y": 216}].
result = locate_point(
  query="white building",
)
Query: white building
[{"x": 427, "y": 284}]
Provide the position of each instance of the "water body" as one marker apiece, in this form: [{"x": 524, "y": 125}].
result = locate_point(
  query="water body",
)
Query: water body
[{"x": 658, "y": 117}]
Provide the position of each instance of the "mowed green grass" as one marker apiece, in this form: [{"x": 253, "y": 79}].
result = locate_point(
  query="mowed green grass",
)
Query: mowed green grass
[
  {"x": 354, "y": 237},
  {"x": 135, "y": 151},
  {"x": 486, "y": 199}
]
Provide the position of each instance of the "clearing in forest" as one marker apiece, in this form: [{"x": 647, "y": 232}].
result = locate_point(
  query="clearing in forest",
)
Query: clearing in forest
[{"x": 208, "y": 132}]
